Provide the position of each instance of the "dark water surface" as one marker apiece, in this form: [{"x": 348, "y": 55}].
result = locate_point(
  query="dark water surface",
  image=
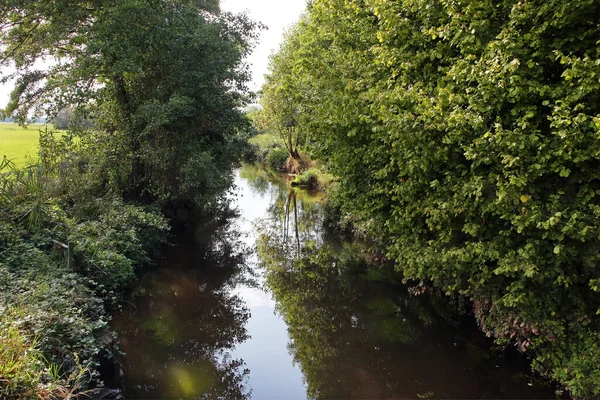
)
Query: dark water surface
[{"x": 265, "y": 304}]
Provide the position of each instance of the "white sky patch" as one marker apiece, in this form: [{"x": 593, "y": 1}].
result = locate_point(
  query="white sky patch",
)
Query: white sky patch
[
  {"x": 255, "y": 298},
  {"x": 5, "y": 88},
  {"x": 277, "y": 15}
]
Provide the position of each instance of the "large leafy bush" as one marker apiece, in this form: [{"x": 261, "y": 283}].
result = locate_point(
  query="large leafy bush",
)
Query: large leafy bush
[
  {"x": 467, "y": 138},
  {"x": 108, "y": 247}
]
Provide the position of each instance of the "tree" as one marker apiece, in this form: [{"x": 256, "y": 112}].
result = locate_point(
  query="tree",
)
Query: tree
[
  {"x": 164, "y": 81},
  {"x": 284, "y": 95}
]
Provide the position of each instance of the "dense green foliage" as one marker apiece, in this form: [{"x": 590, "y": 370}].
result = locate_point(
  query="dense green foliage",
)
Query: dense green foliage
[
  {"x": 466, "y": 139},
  {"x": 161, "y": 83},
  {"x": 283, "y": 111},
  {"x": 277, "y": 158},
  {"x": 55, "y": 308}
]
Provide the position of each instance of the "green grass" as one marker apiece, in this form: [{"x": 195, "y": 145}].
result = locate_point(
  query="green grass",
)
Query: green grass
[
  {"x": 20, "y": 361},
  {"x": 20, "y": 144}
]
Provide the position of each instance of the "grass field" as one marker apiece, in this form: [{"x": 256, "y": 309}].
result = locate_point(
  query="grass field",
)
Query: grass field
[
  {"x": 266, "y": 140},
  {"x": 19, "y": 144}
]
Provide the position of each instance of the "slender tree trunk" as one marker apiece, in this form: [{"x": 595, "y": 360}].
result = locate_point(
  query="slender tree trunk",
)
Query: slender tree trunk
[{"x": 137, "y": 167}]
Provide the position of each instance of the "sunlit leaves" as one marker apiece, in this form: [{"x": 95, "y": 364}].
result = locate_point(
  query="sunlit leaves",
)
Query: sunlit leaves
[{"x": 467, "y": 132}]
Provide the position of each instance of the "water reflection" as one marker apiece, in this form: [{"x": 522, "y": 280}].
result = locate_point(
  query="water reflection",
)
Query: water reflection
[
  {"x": 294, "y": 215},
  {"x": 185, "y": 321}
]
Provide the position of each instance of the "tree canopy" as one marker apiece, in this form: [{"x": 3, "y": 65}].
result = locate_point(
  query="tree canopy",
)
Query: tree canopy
[
  {"x": 153, "y": 92},
  {"x": 163, "y": 82}
]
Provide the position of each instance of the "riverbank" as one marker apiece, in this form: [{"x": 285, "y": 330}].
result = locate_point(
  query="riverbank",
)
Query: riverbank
[
  {"x": 68, "y": 253},
  {"x": 63, "y": 266},
  {"x": 268, "y": 150}
]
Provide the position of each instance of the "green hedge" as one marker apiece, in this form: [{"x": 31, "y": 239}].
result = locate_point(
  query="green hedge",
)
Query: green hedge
[{"x": 467, "y": 139}]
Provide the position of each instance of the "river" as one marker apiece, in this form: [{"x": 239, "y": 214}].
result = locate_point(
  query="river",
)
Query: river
[{"x": 260, "y": 301}]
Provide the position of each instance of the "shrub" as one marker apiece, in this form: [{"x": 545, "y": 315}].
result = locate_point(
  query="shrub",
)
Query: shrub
[
  {"x": 252, "y": 154},
  {"x": 314, "y": 178},
  {"x": 119, "y": 238},
  {"x": 277, "y": 158},
  {"x": 309, "y": 178}
]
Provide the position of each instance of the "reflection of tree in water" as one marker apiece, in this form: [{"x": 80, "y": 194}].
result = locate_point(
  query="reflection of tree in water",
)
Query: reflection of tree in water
[
  {"x": 179, "y": 336},
  {"x": 294, "y": 218},
  {"x": 294, "y": 213},
  {"x": 259, "y": 179},
  {"x": 357, "y": 334}
]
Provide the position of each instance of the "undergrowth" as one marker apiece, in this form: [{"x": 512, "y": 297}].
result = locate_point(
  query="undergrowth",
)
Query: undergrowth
[{"x": 67, "y": 255}]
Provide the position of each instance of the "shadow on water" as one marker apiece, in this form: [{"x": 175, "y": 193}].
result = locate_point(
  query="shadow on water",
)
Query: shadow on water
[
  {"x": 351, "y": 329},
  {"x": 183, "y": 321}
]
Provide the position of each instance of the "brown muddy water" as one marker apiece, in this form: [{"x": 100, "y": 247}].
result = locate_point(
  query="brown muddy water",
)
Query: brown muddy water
[{"x": 264, "y": 303}]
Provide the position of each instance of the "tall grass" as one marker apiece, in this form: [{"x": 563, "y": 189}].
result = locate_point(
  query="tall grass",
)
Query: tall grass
[
  {"x": 24, "y": 373},
  {"x": 20, "y": 361},
  {"x": 23, "y": 192}
]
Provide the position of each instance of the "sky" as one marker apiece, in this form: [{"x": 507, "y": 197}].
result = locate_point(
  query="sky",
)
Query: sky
[
  {"x": 277, "y": 15},
  {"x": 4, "y": 91}
]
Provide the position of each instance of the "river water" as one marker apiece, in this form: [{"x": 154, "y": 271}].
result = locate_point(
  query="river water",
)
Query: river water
[{"x": 260, "y": 301}]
